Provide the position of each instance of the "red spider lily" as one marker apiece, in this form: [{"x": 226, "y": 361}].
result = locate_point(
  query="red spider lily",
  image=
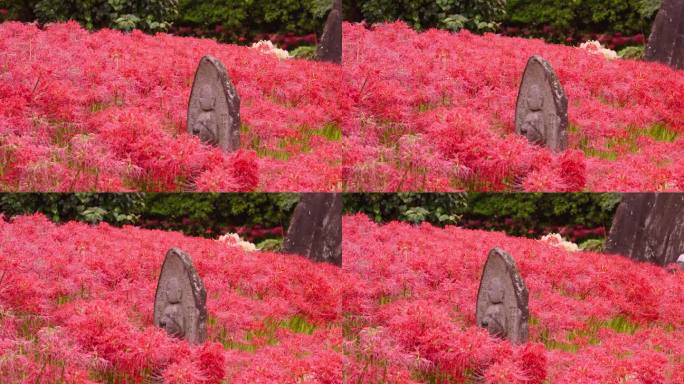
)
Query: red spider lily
[
  {"x": 594, "y": 317},
  {"x": 454, "y": 94},
  {"x": 106, "y": 111},
  {"x": 76, "y": 304}
]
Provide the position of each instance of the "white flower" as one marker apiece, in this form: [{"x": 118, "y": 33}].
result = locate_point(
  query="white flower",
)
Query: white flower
[
  {"x": 555, "y": 240},
  {"x": 595, "y": 47},
  {"x": 267, "y": 47},
  {"x": 234, "y": 240}
]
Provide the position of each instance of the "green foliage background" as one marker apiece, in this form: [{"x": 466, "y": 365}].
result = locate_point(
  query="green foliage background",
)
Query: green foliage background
[
  {"x": 521, "y": 214},
  {"x": 529, "y": 214},
  {"x": 196, "y": 214},
  {"x": 210, "y": 214},
  {"x": 247, "y": 18},
  {"x": 434, "y": 208},
  {"x": 146, "y": 15},
  {"x": 242, "y": 20},
  {"x": 115, "y": 208},
  {"x": 628, "y": 17}
]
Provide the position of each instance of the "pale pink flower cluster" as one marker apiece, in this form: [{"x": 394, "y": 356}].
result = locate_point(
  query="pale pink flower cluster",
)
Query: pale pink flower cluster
[
  {"x": 556, "y": 240},
  {"x": 234, "y": 240},
  {"x": 267, "y": 47},
  {"x": 595, "y": 47}
]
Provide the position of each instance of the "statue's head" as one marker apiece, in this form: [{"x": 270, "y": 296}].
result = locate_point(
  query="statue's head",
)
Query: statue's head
[
  {"x": 495, "y": 291},
  {"x": 205, "y": 127},
  {"x": 172, "y": 317},
  {"x": 535, "y": 98},
  {"x": 207, "y": 98},
  {"x": 174, "y": 293},
  {"x": 533, "y": 128}
]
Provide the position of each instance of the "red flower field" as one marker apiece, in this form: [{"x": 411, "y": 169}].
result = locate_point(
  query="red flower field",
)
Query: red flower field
[
  {"x": 430, "y": 111},
  {"x": 594, "y": 318},
  {"x": 76, "y": 305},
  {"x": 435, "y": 111},
  {"x": 106, "y": 111}
]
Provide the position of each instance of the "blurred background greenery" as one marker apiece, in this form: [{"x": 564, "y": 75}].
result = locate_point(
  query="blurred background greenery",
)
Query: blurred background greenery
[
  {"x": 257, "y": 217},
  {"x": 584, "y": 218},
  {"x": 292, "y": 23}
]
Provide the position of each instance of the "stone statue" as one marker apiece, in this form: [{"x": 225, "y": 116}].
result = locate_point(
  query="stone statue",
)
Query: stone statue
[
  {"x": 214, "y": 106},
  {"x": 330, "y": 47},
  {"x": 315, "y": 229},
  {"x": 533, "y": 125},
  {"x": 648, "y": 227},
  {"x": 502, "y": 306},
  {"x": 172, "y": 319},
  {"x": 494, "y": 319},
  {"x": 666, "y": 43},
  {"x": 542, "y": 109},
  {"x": 180, "y": 300},
  {"x": 205, "y": 126}
]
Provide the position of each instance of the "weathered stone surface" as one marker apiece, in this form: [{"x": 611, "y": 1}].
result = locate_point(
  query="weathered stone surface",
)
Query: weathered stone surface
[
  {"x": 180, "y": 302},
  {"x": 666, "y": 43},
  {"x": 330, "y": 47},
  {"x": 214, "y": 107},
  {"x": 502, "y": 299},
  {"x": 541, "y": 112},
  {"x": 648, "y": 227},
  {"x": 316, "y": 228}
]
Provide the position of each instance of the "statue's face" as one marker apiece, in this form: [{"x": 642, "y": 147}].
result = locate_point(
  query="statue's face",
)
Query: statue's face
[
  {"x": 495, "y": 292},
  {"x": 495, "y": 317},
  {"x": 173, "y": 291},
  {"x": 172, "y": 318},
  {"x": 207, "y": 99},
  {"x": 205, "y": 128},
  {"x": 532, "y": 128},
  {"x": 535, "y": 98},
  {"x": 494, "y": 325},
  {"x": 171, "y": 322}
]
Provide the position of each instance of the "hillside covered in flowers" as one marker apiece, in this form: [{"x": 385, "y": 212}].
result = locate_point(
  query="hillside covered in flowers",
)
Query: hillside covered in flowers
[
  {"x": 106, "y": 111},
  {"x": 431, "y": 111},
  {"x": 435, "y": 111},
  {"x": 594, "y": 318},
  {"x": 76, "y": 306}
]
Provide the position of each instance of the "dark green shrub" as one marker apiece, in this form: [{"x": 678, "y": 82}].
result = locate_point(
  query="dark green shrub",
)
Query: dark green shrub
[
  {"x": 195, "y": 214},
  {"x": 634, "y": 53},
  {"x": 627, "y": 17},
  {"x": 534, "y": 214},
  {"x": 476, "y": 15},
  {"x": 114, "y": 208},
  {"x": 584, "y": 215},
  {"x": 306, "y": 52},
  {"x": 435, "y": 208},
  {"x": 230, "y": 20},
  {"x": 147, "y": 15},
  {"x": 212, "y": 214}
]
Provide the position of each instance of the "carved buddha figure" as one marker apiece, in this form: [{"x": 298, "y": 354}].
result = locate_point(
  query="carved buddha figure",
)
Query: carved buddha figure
[
  {"x": 495, "y": 316},
  {"x": 172, "y": 319},
  {"x": 533, "y": 125},
  {"x": 206, "y": 126}
]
